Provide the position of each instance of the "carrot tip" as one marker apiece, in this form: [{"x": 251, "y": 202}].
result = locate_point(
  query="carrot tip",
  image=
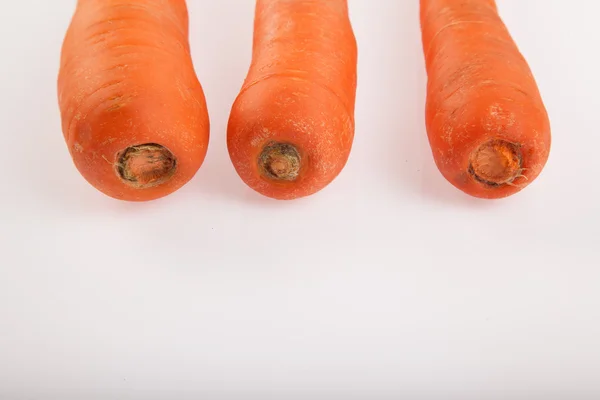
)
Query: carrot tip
[
  {"x": 496, "y": 163},
  {"x": 146, "y": 165},
  {"x": 279, "y": 161}
]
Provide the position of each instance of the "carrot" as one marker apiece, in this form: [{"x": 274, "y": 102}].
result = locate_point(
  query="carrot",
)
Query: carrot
[
  {"x": 133, "y": 112},
  {"x": 291, "y": 127},
  {"x": 487, "y": 126}
]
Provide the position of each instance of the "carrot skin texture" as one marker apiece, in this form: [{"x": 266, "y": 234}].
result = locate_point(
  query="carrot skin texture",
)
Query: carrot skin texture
[
  {"x": 126, "y": 79},
  {"x": 300, "y": 90},
  {"x": 480, "y": 88}
]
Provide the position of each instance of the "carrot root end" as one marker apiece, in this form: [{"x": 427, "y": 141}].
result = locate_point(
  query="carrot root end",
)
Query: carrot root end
[
  {"x": 280, "y": 162},
  {"x": 496, "y": 163},
  {"x": 146, "y": 165}
]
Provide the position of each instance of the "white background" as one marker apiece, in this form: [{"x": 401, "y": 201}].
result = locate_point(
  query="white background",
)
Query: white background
[{"x": 389, "y": 284}]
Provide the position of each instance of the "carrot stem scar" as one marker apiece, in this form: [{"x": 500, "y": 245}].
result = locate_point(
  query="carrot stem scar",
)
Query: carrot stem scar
[
  {"x": 496, "y": 162},
  {"x": 280, "y": 161},
  {"x": 146, "y": 165}
]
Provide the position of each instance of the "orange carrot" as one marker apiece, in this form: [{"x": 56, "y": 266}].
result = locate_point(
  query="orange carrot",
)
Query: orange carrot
[
  {"x": 291, "y": 128},
  {"x": 133, "y": 112},
  {"x": 487, "y": 126}
]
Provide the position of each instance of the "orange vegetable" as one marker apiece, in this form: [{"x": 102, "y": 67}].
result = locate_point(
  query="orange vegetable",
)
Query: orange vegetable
[
  {"x": 291, "y": 128},
  {"x": 133, "y": 112},
  {"x": 487, "y": 126}
]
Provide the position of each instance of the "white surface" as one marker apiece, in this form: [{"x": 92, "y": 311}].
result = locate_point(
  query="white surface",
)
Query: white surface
[{"x": 389, "y": 284}]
